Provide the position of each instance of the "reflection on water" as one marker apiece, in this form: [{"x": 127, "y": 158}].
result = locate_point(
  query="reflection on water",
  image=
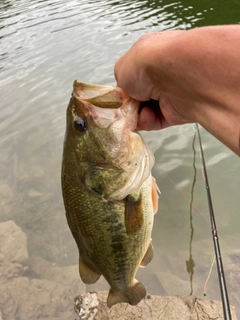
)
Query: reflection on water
[
  {"x": 190, "y": 264},
  {"x": 45, "y": 45}
]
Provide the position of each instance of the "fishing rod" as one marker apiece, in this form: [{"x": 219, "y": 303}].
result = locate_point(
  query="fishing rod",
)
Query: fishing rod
[{"x": 222, "y": 282}]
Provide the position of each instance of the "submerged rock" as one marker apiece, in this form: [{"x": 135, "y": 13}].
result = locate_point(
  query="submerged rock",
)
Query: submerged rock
[
  {"x": 7, "y": 198},
  {"x": 13, "y": 242},
  {"x": 34, "y": 288},
  {"x": 28, "y": 299},
  {"x": 13, "y": 251}
]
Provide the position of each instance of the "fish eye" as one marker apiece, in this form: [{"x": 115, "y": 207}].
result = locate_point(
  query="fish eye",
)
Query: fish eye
[{"x": 80, "y": 124}]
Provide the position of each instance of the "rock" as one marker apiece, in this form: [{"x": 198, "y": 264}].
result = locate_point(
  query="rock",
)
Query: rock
[
  {"x": 33, "y": 288},
  {"x": 27, "y": 299},
  {"x": 6, "y": 192},
  {"x": 7, "y": 198},
  {"x": 87, "y": 306},
  {"x": 13, "y": 242},
  {"x": 66, "y": 276},
  {"x": 13, "y": 251},
  {"x": 92, "y": 306},
  {"x": 9, "y": 270}
]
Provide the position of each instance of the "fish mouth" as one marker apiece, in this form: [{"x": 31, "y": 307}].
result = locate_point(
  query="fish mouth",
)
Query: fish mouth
[
  {"x": 106, "y": 97},
  {"x": 107, "y": 104}
]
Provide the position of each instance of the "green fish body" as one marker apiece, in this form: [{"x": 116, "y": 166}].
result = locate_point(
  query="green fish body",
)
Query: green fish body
[{"x": 109, "y": 194}]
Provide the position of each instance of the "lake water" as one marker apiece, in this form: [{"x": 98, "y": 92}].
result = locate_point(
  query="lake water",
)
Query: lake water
[{"x": 44, "y": 47}]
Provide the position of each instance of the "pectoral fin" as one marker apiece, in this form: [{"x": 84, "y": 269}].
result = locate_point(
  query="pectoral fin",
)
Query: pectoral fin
[
  {"x": 155, "y": 192},
  {"x": 133, "y": 214}
]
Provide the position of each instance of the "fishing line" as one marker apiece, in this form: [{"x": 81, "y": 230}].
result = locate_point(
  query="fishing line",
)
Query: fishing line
[
  {"x": 208, "y": 277},
  {"x": 189, "y": 200},
  {"x": 205, "y": 218},
  {"x": 222, "y": 282},
  {"x": 192, "y": 205}
]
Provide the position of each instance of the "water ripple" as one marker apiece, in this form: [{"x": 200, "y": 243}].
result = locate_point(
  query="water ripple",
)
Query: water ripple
[{"x": 45, "y": 45}]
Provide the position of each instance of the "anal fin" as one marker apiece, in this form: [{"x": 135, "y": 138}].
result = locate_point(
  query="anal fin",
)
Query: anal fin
[
  {"x": 87, "y": 275},
  {"x": 132, "y": 295},
  {"x": 148, "y": 255}
]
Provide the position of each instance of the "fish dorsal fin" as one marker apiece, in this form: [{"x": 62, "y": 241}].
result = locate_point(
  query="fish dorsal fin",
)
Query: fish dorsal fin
[{"x": 133, "y": 213}]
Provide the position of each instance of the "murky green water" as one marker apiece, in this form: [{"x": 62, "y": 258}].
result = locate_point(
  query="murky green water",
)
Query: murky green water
[{"x": 44, "y": 46}]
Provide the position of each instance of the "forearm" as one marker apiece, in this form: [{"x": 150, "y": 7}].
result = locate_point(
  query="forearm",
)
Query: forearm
[{"x": 199, "y": 70}]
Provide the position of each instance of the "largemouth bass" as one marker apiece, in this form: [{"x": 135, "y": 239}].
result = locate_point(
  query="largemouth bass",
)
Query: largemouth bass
[{"x": 109, "y": 194}]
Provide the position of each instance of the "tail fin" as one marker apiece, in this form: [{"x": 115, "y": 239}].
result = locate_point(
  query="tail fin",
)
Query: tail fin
[{"x": 131, "y": 295}]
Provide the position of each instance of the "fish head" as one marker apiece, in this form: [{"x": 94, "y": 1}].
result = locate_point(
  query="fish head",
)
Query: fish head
[
  {"x": 100, "y": 120},
  {"x": 101, "y": 132}
]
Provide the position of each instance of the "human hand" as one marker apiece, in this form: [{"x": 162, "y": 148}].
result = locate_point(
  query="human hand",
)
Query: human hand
[
  {"x": 194, "y": 75},
  {"x": 141, "y": 72}
]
